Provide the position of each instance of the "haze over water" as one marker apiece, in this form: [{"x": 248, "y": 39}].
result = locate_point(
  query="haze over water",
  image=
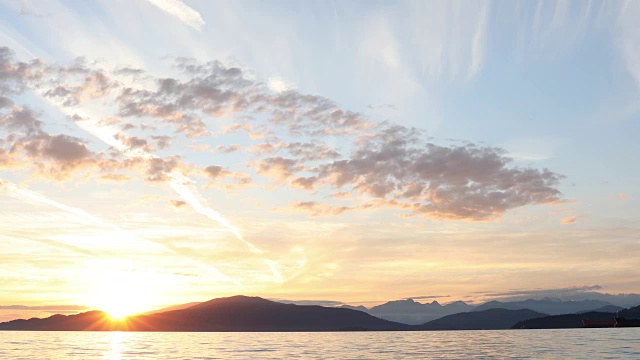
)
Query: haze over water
[{"x": 523, "y": 344}]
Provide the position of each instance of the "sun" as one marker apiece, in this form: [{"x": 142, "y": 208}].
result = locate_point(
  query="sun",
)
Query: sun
[
  {"x": 118, "y": 309},
  {"x": 120, "y": 301},
  {"x": 121, "y": 295}
]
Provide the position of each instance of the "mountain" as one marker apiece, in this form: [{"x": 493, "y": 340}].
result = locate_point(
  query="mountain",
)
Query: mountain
[
  {"x": 564, "y": 321},
  {"x": 606, "y": 309},
  {"x": 414, "y": 313},
  {"x": 357, "y": 308},
  {"x": 491, "y": 319},
  {"x": 172, "y": 307},
  {"x": 237, "y": 313},
  {"x": 575, "y": 320},
  {"x": 547, "y": 306},
  {"x": 89, "y": 321}
]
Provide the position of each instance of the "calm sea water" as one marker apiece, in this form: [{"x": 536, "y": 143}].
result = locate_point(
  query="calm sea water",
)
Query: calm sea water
[{"x": 521, "y": 344}]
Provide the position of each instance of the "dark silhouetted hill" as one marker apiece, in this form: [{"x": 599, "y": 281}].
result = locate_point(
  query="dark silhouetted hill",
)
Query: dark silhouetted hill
[
  {"x": 631, "y": 313},
  {"x": 358, "y": 308},
  {"x": 606, "y": 309},
  {"x": 546, "y": 306},
  {"x": 237, "y": 313},
  {"x": 568, "y": 321},
  {"x": 89, "y": 321},
  {"x": 565, "y": 321},
  {"x": 491, "y": 319}
]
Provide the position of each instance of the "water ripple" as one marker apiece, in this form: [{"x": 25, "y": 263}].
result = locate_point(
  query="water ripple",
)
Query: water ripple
[{"x": 518, "y": 344}]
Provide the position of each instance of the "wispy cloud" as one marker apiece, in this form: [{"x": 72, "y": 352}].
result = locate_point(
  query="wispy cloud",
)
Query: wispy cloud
[
  {"x": 450, "y": 37},
  {"x": 180, "y": 10}
]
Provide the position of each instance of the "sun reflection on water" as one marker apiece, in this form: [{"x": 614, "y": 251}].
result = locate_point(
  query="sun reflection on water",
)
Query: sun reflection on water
[{"x": 116, "y": 345}]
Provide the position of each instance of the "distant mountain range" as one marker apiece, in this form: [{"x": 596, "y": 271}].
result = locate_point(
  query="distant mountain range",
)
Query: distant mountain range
[
  {"x": 243, "y": 313},
  {"x": 411, "y": 312}
]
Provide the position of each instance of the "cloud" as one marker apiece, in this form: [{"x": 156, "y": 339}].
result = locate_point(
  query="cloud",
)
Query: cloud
[
  {"x": 159, "y": 168},
  {"x": 628, "y": 39},
  {"x": 115, "y": 177},
  {"x": 569, "y": 220},
  {"x": 48, "y": 308},
  {"x": 319, "y": 209},
  {"x": 202, "y": 147},
  {"x": 55, "y": 155},
  {"x": 427, "y": 297},
  {"x": 181, "y": 11},
  {"x": 575, "y": 293},
  {"x": 307, "y": 183},
  {"x": 177, "y": 203},
  {"x": 278, "y": 85},
  {"x": 21, "y": 119},
  {"x": 389, "y": 166},
  {"x": 449, "y": 37},
  {"x": 212, "y": 89},
  {"x": 249, "y": 129},
  {"x": 162, "y": 141},
  {"x": 63, "y": 148},
  {"x": 133, "y": 142},
  {"x": 214, "y": 171},
  {"x": 227, "y": 149},
  {"x": 277, "y": 167},
  {"x": 329, "y": 303},
  {"x": 305, "y": 151},
  {"x": 553, "y": 292},
  {"x": 13, "y": 75},
  {"x": 465, "y": 182},
  {"x": 218, "y": 173},
  {"x": 93, "y": 85}
]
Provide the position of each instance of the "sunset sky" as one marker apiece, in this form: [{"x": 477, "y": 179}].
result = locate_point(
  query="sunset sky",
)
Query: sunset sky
[{"x": 156, "y": 152}]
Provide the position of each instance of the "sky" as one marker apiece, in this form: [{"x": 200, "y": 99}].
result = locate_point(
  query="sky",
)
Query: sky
[{"x": 157, "y": 152}]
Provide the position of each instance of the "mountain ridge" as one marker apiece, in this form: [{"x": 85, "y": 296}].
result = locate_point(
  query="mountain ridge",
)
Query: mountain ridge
[{"x": 237, "y": 313}]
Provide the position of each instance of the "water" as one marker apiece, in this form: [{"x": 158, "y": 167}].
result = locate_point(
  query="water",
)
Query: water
[{"x": 521, "y": 344}]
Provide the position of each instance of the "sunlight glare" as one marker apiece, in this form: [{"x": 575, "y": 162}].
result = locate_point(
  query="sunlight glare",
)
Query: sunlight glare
[{"x": 122, "y": 294}]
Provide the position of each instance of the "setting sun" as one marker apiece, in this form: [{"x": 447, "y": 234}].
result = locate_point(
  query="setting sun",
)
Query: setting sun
[
  {"x": 119, "y": 308},
  {"x": 121, "y": 294}
]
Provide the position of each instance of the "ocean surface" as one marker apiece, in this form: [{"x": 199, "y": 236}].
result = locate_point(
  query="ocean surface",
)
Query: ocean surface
[{"x": 621, "y": 343}]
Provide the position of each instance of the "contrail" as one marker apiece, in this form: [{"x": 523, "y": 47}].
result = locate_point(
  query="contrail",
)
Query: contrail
[
  {"x": 184, "y": 187},
  {"x": 180, "y": 183},
  {"x": 57, "y": 244},
  {"x": 16, "y": 191},
  {"x": 181, "y": 11},
  {"x": 13, "y": 189}
]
